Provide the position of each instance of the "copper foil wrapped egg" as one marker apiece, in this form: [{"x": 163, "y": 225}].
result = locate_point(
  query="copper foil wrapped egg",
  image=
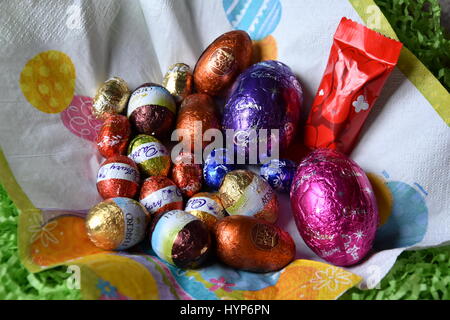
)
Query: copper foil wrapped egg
[
  {"x": 159, "y": 194},
  {"x": 178, "y": 81},
  {"x": 117, "y": 223},
  {"x": 118, "y": 176},
  {"x": 114, "y": 135},
  {"x": 197, "y": 114},
  {"x": 334, "y": 207},
  {"x": 152, "y": 110},
  {"x": 150, "y": 155},
  {"x": 243, "y": 192},
  {"x": 253, "y": 244},
  {"x": 187, "y": 175},
  {"x": 207, "y": 207},
  {"x": 181, "y": 239},
  {"x": 110, "y": 98},
  {"x": 224, "y": 59}
]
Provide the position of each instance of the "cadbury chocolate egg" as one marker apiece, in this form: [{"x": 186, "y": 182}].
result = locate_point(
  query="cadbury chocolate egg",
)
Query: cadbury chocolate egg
[
  {"x": 279, "y": 173},
  {"x": 265, "y": 96},
  {"x": 178, "y": 81},
  {"x": 114, "y": 135},
  {"x": 216, "y": 166},
  {"x": 207, "y": 207},
  {"x": 150, "y": 155},
  {"x": 118, "y": 176},
  {"x": 181, "y": 239},
  {"x": 117, "y": 223},
  {"x": 334, "y": 207},
  {"x": 243, "y": 192},
  {"x": 222, "y": 61},
  {"x": 186, "y": 174},
  {"x": 159, "y": 194},
  {"x": 110, "y": 98},
  {"x": 152, "y": 110},
  {"x": 253, "y": 244}
]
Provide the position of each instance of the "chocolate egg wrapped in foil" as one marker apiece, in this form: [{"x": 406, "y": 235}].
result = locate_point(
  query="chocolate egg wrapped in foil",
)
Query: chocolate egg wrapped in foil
[
  {"x": 222, "y": 61},
  {"x": 217, "y": 164},
  {"x": 150, "y": 155},
  {"x": 243, "y": 192},
  {"x": 118, "y": 176},
  {"x": 207, "y": 207},
  {"x": 187, "y": 175},
  {"x": 178, "y": 81},
  {"x": 181, "y": 239},
  {"x": 334, "y": 207},
  {"x": 252, "y": 244},
  {"x": 198, "y": 113},
  {"x": 114, "y": 136},
  {"x": 279, "y": 173},
  {"x": 152, "y": 110},
  {"x": 159, "y": 194},
  {"x": 110, "y": 98},
  {"x": 117, "y": 223},
  {"x": 265, "y": 96}
]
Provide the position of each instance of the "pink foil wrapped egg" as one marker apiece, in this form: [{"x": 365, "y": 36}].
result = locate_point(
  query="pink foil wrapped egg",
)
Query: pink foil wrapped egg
[{"x": 334, "y": 207}]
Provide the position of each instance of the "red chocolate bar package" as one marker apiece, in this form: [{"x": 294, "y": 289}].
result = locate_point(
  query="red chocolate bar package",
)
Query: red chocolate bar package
[{"x": 360, "y": 61}]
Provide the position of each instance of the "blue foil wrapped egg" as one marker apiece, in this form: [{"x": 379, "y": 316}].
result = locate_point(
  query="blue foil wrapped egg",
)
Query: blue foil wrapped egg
[
  {"x": 217, "y": 165},
  {"x": 279, "y": 173}
]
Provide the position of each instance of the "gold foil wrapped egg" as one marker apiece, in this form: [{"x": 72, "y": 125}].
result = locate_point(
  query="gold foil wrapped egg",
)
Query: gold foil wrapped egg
[
  {"x": 243, "y": 192},
  {"x": 117, "y": 223},
  {"x": 207, "y": 207},
  {"x": 178, "y": 81},
  {"x": 110, "y": 98}
]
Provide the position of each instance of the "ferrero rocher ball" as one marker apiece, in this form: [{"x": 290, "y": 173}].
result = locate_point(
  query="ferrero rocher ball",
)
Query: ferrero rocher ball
[
  {"x": 180, "y": 239},
  {"x": 207, "y": 207},
  {"x": 159, "y": 194},
  {"x": 117, "y": 223},
  {"x": 110, "y": 98},
  {"x": 178, "y": 81},
  {"x": 243, "y": 192},
  {"x": 150, "y": 155}
]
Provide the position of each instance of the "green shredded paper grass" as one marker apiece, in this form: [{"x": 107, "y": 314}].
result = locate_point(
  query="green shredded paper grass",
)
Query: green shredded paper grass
[{"x": 423, "y": 274}]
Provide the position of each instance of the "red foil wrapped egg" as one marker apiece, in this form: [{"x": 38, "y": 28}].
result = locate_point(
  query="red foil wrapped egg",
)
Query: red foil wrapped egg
[
  {"x": 114, "y": 136},
  {"x": 159, "y": 194},
  {"x": 187, "y": 175}
]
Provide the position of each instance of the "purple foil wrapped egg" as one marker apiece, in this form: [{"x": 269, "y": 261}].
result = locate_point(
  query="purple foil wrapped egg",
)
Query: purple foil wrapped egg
[
  {"x": 334, "y": 207},
  {"x": 265, "y": 96}
]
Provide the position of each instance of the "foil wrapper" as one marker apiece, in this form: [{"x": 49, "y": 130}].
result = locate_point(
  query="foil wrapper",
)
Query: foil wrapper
[
  {"x": 207, "y": 207},
  {"x": 114, "y": 136},
  {"x": 245, "y": 193},
  {"x": 252, "y": 244},
  {"x": 110, "y": 98},
  {"x": 150, "y": 155},
  {"x": 187, "y": 175},
  {"x": 178, "y": 81},
  {"x": 279, "y": 173},
  {"x": 216, "y": 166},
  {"x": 118, "y": 176},
  {"x": 117, "y": 223},
  {"x": 181, "y": 239},
  {"x": 334, "y": 207},
  {"x": 159, "y": 194}
]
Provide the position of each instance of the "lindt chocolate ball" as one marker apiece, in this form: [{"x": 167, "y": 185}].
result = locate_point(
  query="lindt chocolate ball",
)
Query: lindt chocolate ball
[
  {"x": 117, "y": 223},
  {"x": 152, "y": 110},
  {"x": 334, "y": 207},
  {"x": 216, "y": 166},
  {"x": 207, "y": 207},
  {"x": 110, "y": 98},
  {"x": 198, "y": 113},
  {"x": 181, "y": 239},
  {"x": 150, "y": 155},
  {"x": 222, "y": 61},
  {"x": 245, "y": 193},
  {"x": 118, "y": 176},
  {"x": 279, "y": 173},
  {"x": 252, "y": 244},
  {"x": 178, "y": 81},
  {"x": 187, "y": 175},
  {"x": 265, "y": 96},
  {"x": 114, "y": 135},
  {"x": 159, "y": 194}
]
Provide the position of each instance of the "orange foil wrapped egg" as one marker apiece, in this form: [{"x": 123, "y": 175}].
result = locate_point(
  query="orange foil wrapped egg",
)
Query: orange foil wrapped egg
[
  {"x": 253, "y": 244},
  {"x": 223, "y": 60},
  {"x": 118, "y": 176},
  {"x": 187, "y": 175},
  {"x": 114, "y": 135},
  {"x": 159, "y": 194}
]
